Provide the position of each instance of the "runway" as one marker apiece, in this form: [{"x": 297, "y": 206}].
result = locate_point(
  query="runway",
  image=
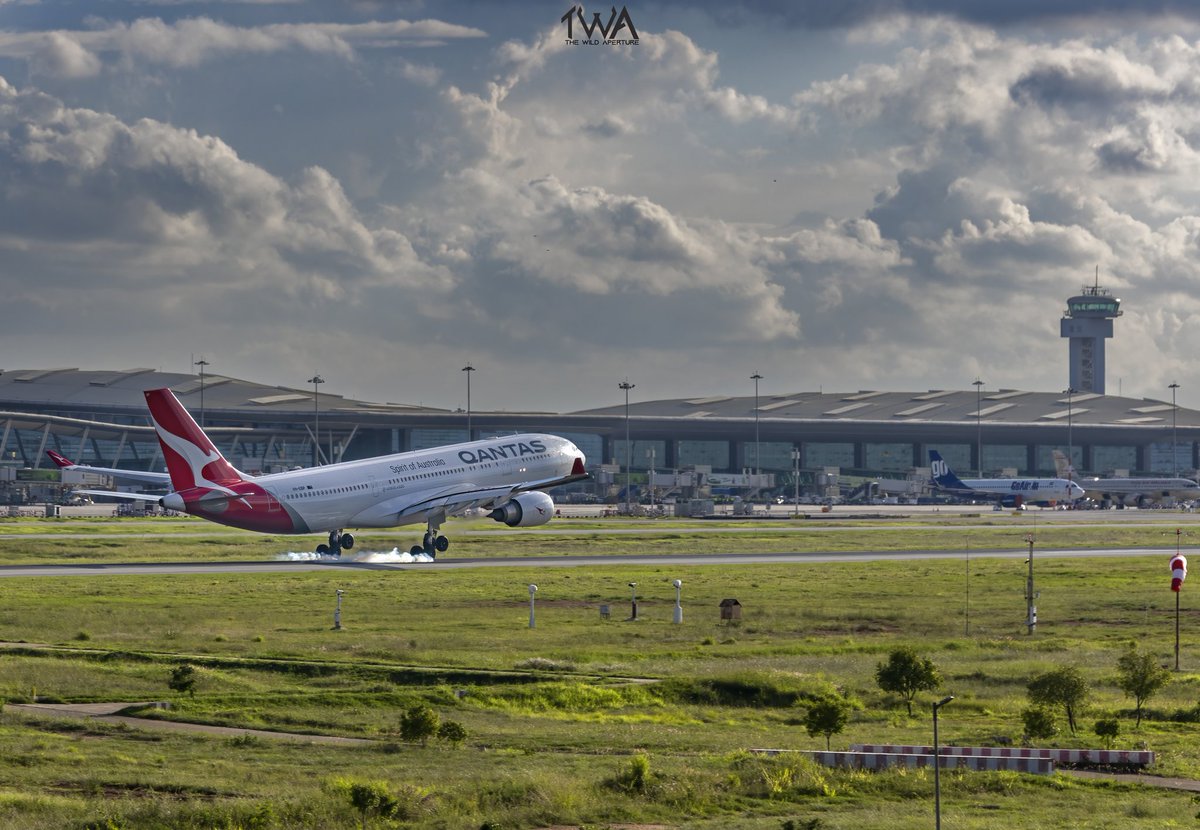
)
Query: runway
[{"x": 378, "y": 562}]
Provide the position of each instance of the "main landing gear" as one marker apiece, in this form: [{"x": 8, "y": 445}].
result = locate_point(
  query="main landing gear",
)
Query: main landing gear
[
  {"x": 431, "y": 543},
  {"x": 338, "y": 542}
]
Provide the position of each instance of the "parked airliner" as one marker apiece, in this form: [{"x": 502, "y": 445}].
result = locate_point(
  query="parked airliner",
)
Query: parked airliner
[
  {"x": 1017, "y": 490},
  {"x": 505, "y": 476},
  {"x": 1124, "y": 490}
]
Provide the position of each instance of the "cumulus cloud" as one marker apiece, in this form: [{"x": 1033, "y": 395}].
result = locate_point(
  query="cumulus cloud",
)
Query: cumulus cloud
[
  {"x": 180, "y": 204},
  {"x": 191, "y": 42},
  {"x": 913, "y": 218}
]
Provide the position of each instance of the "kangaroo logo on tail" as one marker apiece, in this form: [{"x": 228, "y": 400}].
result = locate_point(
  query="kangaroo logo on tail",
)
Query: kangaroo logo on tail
[{"x": 192, "y": 460}]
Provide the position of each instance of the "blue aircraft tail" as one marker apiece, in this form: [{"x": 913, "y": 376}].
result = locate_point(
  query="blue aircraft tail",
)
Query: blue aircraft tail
[{"x": 943, "y": 476}]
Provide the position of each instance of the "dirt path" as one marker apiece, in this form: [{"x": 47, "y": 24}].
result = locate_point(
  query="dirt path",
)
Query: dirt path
[{"x": 106, "y": 713}]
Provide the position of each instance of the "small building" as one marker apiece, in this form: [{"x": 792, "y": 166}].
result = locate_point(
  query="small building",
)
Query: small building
[{"x": 731, "y": 609}]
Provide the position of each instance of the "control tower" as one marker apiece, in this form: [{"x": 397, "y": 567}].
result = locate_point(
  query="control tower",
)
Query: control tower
[{"x": 1087, "y": 322}]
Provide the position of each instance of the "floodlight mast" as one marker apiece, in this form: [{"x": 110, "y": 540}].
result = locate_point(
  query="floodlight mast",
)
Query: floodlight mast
[{"x": 937, "y": 780}]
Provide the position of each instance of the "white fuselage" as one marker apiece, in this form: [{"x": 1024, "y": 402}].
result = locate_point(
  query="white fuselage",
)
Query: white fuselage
[
  {"x": 409, "y": 487},
  {"x": 1026, "y": 489},
  {"x": 1130, "y": 489}
]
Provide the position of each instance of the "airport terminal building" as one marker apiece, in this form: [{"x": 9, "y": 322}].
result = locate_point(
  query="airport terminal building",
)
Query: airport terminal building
[{"x": 99, "y": 418}]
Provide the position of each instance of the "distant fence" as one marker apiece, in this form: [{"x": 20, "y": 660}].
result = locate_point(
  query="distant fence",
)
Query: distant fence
[{"x": 1102, "y": 757}]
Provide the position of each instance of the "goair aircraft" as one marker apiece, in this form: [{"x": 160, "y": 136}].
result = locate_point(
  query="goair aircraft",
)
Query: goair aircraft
[
  {"x": 505, "y": 476},
  {"x": 1125, "y": 491},
  {"x": 1017, "y": 490}
]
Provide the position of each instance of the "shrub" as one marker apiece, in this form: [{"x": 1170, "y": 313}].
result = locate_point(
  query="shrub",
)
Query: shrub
[
  {"x": 1140, "y": 677},
  {"x": 1039, "y": 723},
  {"x": 827, "y": 717},
  {"x": 1064, "y": 687},
  {"x": 906, "y": 673},
  {"x": 452, "y": 732},
  {"x": 183, "y": 679},
  {"x": 419, "y": 723},
  {"x": 1107, "y": 730}
]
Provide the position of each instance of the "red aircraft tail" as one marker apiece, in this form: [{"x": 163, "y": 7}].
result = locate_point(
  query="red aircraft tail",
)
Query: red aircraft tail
[
  {"x": 192, "y": 460},
  {"x": 59, "y": 460}
]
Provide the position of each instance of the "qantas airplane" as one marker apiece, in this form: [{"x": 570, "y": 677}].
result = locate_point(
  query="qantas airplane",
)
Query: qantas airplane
[
  {"x": 1018, "y": 490},
  {"x": 505, "y": 476},
  {"x": 1124, "y": 490}
]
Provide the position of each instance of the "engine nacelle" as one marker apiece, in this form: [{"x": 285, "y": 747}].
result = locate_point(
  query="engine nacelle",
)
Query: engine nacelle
[{"x": 525, "y": 510}]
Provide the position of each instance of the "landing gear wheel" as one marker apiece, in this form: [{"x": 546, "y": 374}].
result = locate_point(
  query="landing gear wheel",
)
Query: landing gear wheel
[
  {"x": 347, "y": 541},
  {"x": 416, "y": 550},
  {"x": 441, "y": 543},
  {"x": 322, "y": 550}
]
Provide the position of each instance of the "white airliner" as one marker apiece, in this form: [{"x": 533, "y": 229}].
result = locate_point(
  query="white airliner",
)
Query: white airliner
[
  {"x": 1123, "y": 490},
  {"x": 1016, "y": 490},
  {"x": 504, "y": 476}
]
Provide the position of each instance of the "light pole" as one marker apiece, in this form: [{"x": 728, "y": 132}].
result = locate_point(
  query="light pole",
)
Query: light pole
[
  {"x": 626, "y": 385},
  {"x": 468, "y": 369},
  {"x": 1174, "y": 465},
  {"x": 978, "y": 384},
  {"x": 201, "y": 363},
  {"x": 337, "y": 612},
  {"x": 1030, "y": 594},
  {"x": 756, "y": 377},
  {"x": 532, "y": 593},
  {"x": 678, "y": 618},
  {"x": 316, "y": 380},
  {"x": 937, "y": 780},
  {"x": 650, "y": 476},
  {"x": 1071, "y": 390},
  {"x": 796, "y": 466}
]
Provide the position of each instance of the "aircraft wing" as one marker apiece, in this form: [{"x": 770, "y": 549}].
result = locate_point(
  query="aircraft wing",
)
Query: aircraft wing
[
  {"x": 63, "y": 463},
  {"x": 114, "y": 494}
]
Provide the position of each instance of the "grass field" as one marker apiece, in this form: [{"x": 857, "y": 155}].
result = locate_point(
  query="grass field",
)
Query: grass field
[{"x": 557, "y": 715}]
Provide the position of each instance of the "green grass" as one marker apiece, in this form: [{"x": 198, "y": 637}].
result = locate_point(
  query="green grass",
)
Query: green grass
[
  {"x": 72, "y": 541},
  {"x": 556, "y": 714}
]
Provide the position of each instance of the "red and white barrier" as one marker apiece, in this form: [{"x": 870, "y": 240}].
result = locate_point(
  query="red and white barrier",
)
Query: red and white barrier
[
  {"x": 1108, "y": 757},
  {"x": 885, "y": 760}
]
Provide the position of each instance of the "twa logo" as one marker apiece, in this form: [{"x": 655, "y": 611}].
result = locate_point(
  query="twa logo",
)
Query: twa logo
[{"x": 608, "y": 31}]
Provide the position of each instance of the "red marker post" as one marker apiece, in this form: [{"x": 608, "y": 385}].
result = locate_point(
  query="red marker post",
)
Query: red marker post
[{"x": 1178, "y": 575}]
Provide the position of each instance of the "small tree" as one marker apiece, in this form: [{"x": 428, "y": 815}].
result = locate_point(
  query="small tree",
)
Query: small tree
[
  {"x": 372, "y": 798},
  {"x": 906, "y": 673},
  {"x": 1140, "y": 677},
  {"x": 827, "y": 716},
  {"x": 1039, "y": 723},
  {"x": 183, "y": 680},
  {"x": 1063, "y": 687},
  {"x": 1107, "y": 730},
  {"x": 419, "y": 723},
  {"x": 452, "y": 732}
]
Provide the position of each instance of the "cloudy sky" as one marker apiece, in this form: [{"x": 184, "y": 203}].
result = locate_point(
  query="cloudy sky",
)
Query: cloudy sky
[{"x": 864, "y": 195}]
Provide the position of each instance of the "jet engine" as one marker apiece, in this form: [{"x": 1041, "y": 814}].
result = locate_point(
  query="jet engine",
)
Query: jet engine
[{"x": 525, "y": 510}]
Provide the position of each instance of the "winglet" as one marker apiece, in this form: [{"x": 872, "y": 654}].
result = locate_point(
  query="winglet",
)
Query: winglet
[{"x": 59, "y": 460}]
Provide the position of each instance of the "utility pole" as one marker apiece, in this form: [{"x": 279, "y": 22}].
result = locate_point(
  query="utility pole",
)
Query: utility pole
[
  {"x": 626, "y": 385},
  {"x": 316, "y": 380},
  {"x": 978, "y": 384},
  {"x": 1174, "y": 463},
  {"x": 468, "y": 369},
  {"x": 1030, "y": 594},
  {"x": 201, "y": 363}
]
